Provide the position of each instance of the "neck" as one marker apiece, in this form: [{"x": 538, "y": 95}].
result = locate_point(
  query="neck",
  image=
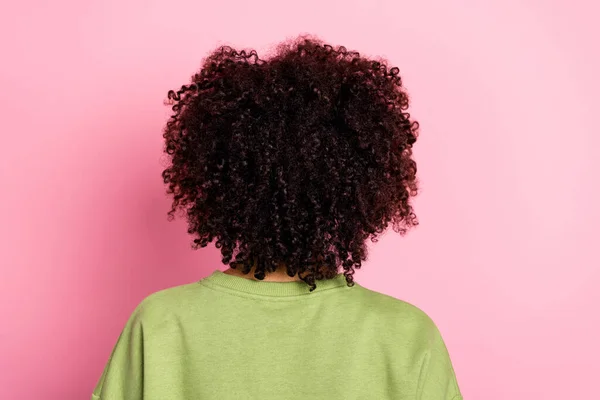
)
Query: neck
[{"x": 279, "y": 275}]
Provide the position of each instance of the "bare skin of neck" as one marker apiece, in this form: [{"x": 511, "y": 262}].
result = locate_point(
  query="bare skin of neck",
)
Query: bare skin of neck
[{"x": 280, "y": 275}]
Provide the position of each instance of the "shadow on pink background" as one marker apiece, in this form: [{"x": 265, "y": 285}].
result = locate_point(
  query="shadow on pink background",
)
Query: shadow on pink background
[{"x": 504, "y": 260}]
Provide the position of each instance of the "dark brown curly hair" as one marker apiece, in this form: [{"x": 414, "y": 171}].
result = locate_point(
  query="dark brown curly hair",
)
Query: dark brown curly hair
[{"x": 298, "y": 159}]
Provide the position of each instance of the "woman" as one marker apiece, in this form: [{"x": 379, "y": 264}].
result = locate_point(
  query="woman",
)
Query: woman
[{"x": 290, "y": 164}]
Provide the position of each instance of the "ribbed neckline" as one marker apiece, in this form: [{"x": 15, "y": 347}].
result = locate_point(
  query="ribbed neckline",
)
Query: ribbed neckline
[{"x": 271, "y": 289}]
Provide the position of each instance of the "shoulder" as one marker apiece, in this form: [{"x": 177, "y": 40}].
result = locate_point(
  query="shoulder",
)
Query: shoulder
[
  {"x": 400, "y": 316},
  {"x": 410, "y": 328},
  {"x": 393, "y": 306},
  {"x": 164, "y": 304}
]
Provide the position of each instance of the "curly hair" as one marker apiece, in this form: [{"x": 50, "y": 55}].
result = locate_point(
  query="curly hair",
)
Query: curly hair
[{"x": 297, "y": 159}]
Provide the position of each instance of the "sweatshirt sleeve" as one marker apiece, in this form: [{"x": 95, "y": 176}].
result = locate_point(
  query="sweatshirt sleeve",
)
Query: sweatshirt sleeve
[
  {"x": 437, "y": 379},
  {"x": 123, "y": 374}
]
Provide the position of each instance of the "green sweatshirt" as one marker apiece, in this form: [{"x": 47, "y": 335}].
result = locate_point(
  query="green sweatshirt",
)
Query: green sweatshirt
[{"x": 229, "y": 337}]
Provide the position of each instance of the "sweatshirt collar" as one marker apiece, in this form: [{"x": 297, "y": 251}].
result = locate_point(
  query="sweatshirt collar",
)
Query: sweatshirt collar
[{"x": 273, "y": 289}]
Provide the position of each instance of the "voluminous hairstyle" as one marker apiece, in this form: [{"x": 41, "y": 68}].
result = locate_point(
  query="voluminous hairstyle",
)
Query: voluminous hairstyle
[{"x": 294, "y": 160}]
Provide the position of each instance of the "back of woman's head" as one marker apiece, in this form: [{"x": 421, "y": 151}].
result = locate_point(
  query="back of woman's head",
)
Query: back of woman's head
[{"x": 294, "y": 160}]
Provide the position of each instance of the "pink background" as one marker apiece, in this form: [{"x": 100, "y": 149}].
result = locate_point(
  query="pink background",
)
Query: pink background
[{"x": 503, "y": 260}]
